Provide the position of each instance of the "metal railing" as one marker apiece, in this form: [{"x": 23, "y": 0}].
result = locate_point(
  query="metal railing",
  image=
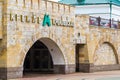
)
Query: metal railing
[{"x": 105, "y": 23}]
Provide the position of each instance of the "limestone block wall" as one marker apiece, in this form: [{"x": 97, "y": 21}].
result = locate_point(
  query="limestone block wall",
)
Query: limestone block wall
[
  {"x": 104, "y": 55},
  {"x": 22, "y": 33},
  {"x": 97, "y": 38},
  {"x": 81, "y": 32},
  {"x": 100, "y": 48},
  {"x": 98, "y": 41},
  {"x": 103, "y": 49},
  {"x": 3, "y": 32},
  {"x": 21, "y": 26}
]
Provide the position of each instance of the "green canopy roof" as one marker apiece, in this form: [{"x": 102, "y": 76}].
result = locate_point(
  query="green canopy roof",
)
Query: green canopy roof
[{"x": 90, "y": 2}]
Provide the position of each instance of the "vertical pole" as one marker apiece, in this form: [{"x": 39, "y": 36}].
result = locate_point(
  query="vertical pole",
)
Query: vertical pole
[
  {"x": 118, "y": 26},
  {"x": 110, "y": 13}
]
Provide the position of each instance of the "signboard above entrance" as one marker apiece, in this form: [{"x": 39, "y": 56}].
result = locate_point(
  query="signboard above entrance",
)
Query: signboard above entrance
[{"x": 46, "y": 20}]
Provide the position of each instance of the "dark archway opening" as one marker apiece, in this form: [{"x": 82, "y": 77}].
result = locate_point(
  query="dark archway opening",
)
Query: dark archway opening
[{"x": 38, "y": 59}]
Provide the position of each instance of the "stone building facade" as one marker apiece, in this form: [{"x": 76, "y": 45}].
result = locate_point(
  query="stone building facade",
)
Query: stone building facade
[{"x": 69, "y": 39}]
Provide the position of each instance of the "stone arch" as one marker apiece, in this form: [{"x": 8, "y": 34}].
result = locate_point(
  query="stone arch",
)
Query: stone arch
[
  {"x": 111, "y": 46},
  {"x": 57, "y": 55},
  {"x": 114, "y": 50},
  {"x": 59, "y": 60},
  {"x": 46, "y": 41}
]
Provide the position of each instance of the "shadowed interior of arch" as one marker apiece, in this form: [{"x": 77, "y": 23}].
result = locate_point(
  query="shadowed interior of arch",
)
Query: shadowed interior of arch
[{"x": 38, "y": 59}]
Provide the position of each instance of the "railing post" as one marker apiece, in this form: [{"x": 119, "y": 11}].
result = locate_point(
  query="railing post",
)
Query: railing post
[
  {"x": 90, "y": 20},
  {"x": 99, "y": 20},
  {"x": 110, "y": 23},
  {"x": 118, "y": 26},
  {"x": 110, "y": 12}
]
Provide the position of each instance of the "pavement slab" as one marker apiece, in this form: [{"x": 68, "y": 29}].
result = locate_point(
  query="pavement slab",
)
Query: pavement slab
[{"x": 106, "y": 75}]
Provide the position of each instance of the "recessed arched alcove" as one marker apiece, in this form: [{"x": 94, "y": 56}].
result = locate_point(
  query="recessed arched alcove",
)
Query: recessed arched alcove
[
  {"x": 105, "y": 55},
  {"x": 44, "y": 57}
]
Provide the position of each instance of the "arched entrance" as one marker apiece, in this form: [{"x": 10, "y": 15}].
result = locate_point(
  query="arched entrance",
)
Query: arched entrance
[
  {"x": 38, "y": 59},
  {"x": 44, "y": 57}
]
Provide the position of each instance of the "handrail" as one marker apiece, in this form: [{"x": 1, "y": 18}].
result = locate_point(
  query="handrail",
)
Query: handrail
[{"x": 105, "y": 23}]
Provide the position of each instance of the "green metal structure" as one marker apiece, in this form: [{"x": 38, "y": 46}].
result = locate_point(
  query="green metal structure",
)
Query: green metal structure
[{"x": 90, "y": 2}]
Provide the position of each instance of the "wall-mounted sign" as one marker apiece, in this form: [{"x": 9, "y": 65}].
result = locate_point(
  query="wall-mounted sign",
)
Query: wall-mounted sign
[
  {"x": 25, "y": 18},
  {"x": 36, "y": 19},
  {"x": 62, "y": 23},
  {"x": 46, "y": 20}
]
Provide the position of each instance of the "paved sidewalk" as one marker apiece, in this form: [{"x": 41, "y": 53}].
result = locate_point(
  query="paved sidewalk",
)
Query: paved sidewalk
[{"x": 75, "y": 76}]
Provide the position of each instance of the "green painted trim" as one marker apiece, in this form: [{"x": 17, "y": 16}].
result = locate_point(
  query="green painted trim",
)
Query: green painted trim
[
  {"x": 93, "y": 4},
  {"x": 89, "y": 4}
]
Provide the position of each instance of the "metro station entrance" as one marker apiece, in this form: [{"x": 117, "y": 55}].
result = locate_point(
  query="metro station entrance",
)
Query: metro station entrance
[{"x": 38, "y": 59}]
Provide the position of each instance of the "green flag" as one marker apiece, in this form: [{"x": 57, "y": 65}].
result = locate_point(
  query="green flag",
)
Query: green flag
[{"x": 46, "y": 20}]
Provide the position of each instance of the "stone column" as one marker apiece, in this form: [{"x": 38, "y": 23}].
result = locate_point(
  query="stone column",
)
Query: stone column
[
  {"x": 86, "y": 67},
  {"x": 11, "y": 73},
  {"x": 3, "y": 73}
]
